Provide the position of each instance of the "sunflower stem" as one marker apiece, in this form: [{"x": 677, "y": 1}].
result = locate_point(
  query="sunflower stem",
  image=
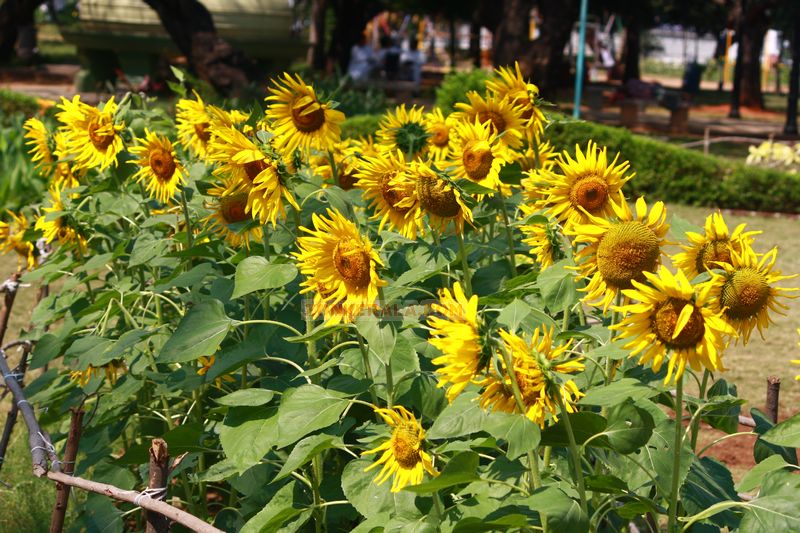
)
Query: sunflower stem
[
  {"x": 187, "y": 220},
  {"x": 696, "y": 420},
  {"x": 368, "y": 372},
  {"x": 536, "y": 157},
  {"x": 334, "y": 170},
  {"x": 676, "y": 457},
  {"x": 565, "y": 321},
  {"x": 462, "y": 251},
  {"x": 512, "y": 262},
  {"x": 574, "y": 453}
]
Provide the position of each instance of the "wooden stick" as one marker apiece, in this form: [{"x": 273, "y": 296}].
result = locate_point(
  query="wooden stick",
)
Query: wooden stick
[
  {"x": 773, "y": 394},
  {"x": 70, "y": 453},
  {"x": 11, "y": 419},
  {"x": 10, "y": 288},
  {"x": 159, "y": 472}
]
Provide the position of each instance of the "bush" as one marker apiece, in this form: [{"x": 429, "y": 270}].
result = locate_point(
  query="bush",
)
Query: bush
[
  {"x": 360, "y": 126},
  {"x": 456, "y": 84},
  {"x": 13, "y": 103},
  {"x": 19, "y": 185}
]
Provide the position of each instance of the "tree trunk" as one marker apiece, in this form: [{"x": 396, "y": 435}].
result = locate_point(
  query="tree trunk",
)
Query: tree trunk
[
  {"x": 475, "y": 41},
  {"x": 752, "y": 42},
  {"x": 632, "y": 51},
  {"x": 13, "y": 14},
  {"x": 316, "y": 50},
  {"x": 794, "y": 83},
  {"x": 191, "y": 28},
  {"x": 351, "y": 19}
]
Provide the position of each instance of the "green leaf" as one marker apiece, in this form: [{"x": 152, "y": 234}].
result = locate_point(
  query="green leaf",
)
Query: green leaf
[
  {"x": 617, "y": 392},
  {"x": 787, "y": 433},
  {"x": 303, "y": 451},
  {"x": 557, "y": 286},
  {"x": 46, "y": 349},
  {"x": 709, "y": 482},
  {"x": 584, "y": 426},
  {"x": 255, "y": 273},
  {"x": 763, "y": 449},
  {"x": 307, "y": 409},
  {"x": 462, "y": 417},
  {"x": 147, "y": 248},
  {"x": 606, "y": 483},
  {"x": 658, "y": 456},
  {"x": 368, "y": 498},
  {"x": 563, "y": 513},
  {"x": 459, "y": 470},
  {"x": 612, "y": 350},
  {"x": 246, "y": 397},
  {"x": 199, "y": 333},
  {"x": 723, "y": 407},
  {"x": 247, "y": 434},
  {"x": 380, "y": 339},
  {"x": 629, "y": 427},
  {"x": 771, "y": 514},
  {"x": 517, "y": 430},
  {"x": 755, "y": 475},
  {"x": 277, "y": 512}
]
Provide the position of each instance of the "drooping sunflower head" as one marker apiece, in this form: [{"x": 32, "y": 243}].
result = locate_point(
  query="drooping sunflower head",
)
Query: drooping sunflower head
[
  {"x": 385, "y": 185},
  {"x": 299, "y": 118},
  {"x": 455, "y": 333},
  {"x": 12, "y": 238},
  {"x": 230, "y": 217},
  {"x": 340, "y": 268},
  {"x": 746, "y": 291},
  {"x": 543, "y": 236},
  {"x": 671, "y": 315},
  {"x": 159, "y": 166},
  {"x": 509, "y": 84},
  {"x": 541, "y": 156},
  {"x": 442, "y": 135},
  {"x": 435, "y": 197},
  {"x": 193, "y": 123},
  {"x": 713, "y": 248},
  {"x": 619, "y": 251},
  {"x": 503, "y": 118},
  {"x": 402, "y": 455},
  {"x": 536, "y": 361},
  {"x": 92, "y": 134},
  {"x": 478, "y": 155},
  {"x": 56, "y": 225},
  {"x": 405, "y": 130},
  {"x": 42, "y": 145}
]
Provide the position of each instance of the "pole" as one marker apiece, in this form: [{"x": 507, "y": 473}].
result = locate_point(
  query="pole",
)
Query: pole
[{"x": 576, "y": 110}]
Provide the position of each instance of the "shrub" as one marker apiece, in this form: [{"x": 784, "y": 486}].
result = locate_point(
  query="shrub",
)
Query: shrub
[
  {"x": 360, "y": 126},
  {"x": 13, "y": 103},
  {"x": 456, "y": 84}
]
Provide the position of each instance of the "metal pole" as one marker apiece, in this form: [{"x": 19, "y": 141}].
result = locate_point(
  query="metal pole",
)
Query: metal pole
[{"x": 576, "y": 111}]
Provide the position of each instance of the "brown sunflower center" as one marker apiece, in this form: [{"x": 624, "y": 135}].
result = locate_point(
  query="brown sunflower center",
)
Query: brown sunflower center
[
  {"x": 347, "y": 180},
  {"x": 162, "y": 164},
  {"x": 308, "y": 117},
  {"x": 477, "y": 159},
  {"x": 440, "y": 134},
  {"x": 392, "y": 195},
  {"x": 625, "y": 251},
  {"x": 665, "y": 321},
  {"x": 405, "y": 445},
  {"x": 201, "y": 130},
  {"x": 745, "y": 293},
  {"x": 711, "y": 252},
  {"x": 589, "y": 192},
  {"x": 497, "y": 120},
  {"x": 254, "y": 168},
  {"x": 352, "y": 262},
  {"x": 437, "y": 198},
  {"x": 101, "y": 135},
  {"x": 234, "y": 208}
]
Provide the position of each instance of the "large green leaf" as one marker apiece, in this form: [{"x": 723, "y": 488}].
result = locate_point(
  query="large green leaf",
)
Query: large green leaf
[
  {"x": 617, "y": 392},
  {"x": 461, "y": 469},
  {"x": 380, "y": 339},
  {"x": 305, "y": 450},
  {"x": 246, "y": 397},
  {"x": 722, "y": 411},
  {"x": 658, "y": 457},
  {"x": 199, "y": 333},
  {"x": 247, "y": 434},
  {"x": 557, "y": 286},
  {"x": 563, "y": 513},
  {"x": 709, "y": 482},
  {"x": 462, "y": 417},
  {"x": 370, "y": 499},
  {"x": 307, "y": 409},
  {"x": 786, "y": 433},
  {"x": 755, "y": 475},
  {"x": 255, "y": 273},
  {"x": 763, "y": 449},
  {"x": 629, "y": 427},
  {"x": 517, "y": 430},
  {"x": 584, "y": 426},
  {"x": 279, "y": 510}
]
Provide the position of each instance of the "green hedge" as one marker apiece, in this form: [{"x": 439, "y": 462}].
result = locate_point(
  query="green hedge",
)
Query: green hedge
[
  {"x": 13, "y": 103},
  {"x": 665, "y": 171}
]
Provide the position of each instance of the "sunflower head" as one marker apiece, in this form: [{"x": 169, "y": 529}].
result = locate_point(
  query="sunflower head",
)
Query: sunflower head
[
  {"x": 159, "y": 166},
  {"x": 509, "y": 84},
  {"x": 56, "y": 225},
  {"x": 436, "y": 198},
  {"x": 442, "y": 135},
  {"x": 543, "y": 238},
  {"x": 92, "y": 134},
  {"x": 193, "y": 123},
  {"x": 503, "y": 119},
  {"x": 42, "y": 145},
  {"x": 230, "y": 218},
  {"x": 478, "y": 155},
  {"x": 405, "y": 130},
  {"x": 385, "y": 184},
  {"x": 12, "y": 238}
]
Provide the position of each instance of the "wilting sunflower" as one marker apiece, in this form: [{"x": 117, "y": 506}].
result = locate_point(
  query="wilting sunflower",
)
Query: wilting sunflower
[
  {"x": 620, "y": 251},
  {"x": 193, "y": 123},
  {"x": 504, "y": 119},
  {"x": 589, "y": 183},
  {"x": 745, "y": 292},
  {"x": 160, "y": 167},
  {"x": 92, "y": 135},
  {"x": 455, "y": 334},
  {"x": 405, "y": 130},
  {"x": 402, "y": 455},
  {"x": 385, "y": 186},
  {"x": 442, "y": 135},
  {"x": 299, "y": 119},
  {"x": 64, "y": 175},
  {"x": 436, "y": 198},
  {"x": 340, "y": 267},
  {"x": 542, "y": 237},
  {"x": 12, "y": 237},
  {"x": 543, "y": 157},
  {"x": 41, "y": 145},
  {"x": 713, "y": 248},
  {"x": 346, "y": 161},
  {"x": 478, "y": 155},
  {"x": 535, "y": 364},
  {"x": 509, "y": 84},
  {"x": 55, "y": 225},
  {"x": 670, "y": 315},
  {"x": 230, "y": 218}
]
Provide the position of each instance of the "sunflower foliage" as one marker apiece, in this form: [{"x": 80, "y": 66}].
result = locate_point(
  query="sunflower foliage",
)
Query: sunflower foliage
[{"x": 449, "y": 326}]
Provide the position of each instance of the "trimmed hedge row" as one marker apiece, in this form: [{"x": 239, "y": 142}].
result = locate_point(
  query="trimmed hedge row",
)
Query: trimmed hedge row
[
  {"x": 13, "y": 103},
  {"x": 664, "y": 171}
]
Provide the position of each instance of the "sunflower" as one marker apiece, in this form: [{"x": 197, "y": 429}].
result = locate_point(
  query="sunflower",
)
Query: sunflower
[
  {"x": 535, "y": 364},
  {"x": 435, "y": 197},
  {"x": 402, "y": 455},
  {"x": 386, "y": 185},
  {"x": 193, "y": 123},
  {"x": 64, "y": 175},
  {"x": 55, "y": 225},
  {"x": 159, "y": 166},
  {"x": 509, "y": 84},
  {"x": 230, "y": 218},
  {"x": 505, "y": 120},
  {"x": 745, "y": 292},
  {"x": 478, "y": 155},
  {"x": 12, "y": 237},
  {"x": 442, "y": 135},
  {"x": 455, "y": 334},
  {"x": 589, "y": 184},
  {"x": 40, "y": 141},
  {"x": 345, "y": 158},
  {"x": 299, "y": 119},
  {"x": 205, "y": 365},
  {"x": 672, "y": 315},
  {"x": 530, "y": 160},
  {"x": 796, "y": 361},
  {"x": 405, "y": 130},
  {"x": 619, "y": 251},
  {"x": 340, "y": 266},
  {"x": 92, "y": 135},
  {"x": 713, "y": 248},
  {"x": 542, "y": 237}
]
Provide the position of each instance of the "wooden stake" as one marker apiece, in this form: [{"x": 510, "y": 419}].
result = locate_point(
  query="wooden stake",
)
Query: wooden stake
[
  {"x": 70, "y": 453},
  {"x": 159, "y": 472},
  {"x": 773, "y": 393}
]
